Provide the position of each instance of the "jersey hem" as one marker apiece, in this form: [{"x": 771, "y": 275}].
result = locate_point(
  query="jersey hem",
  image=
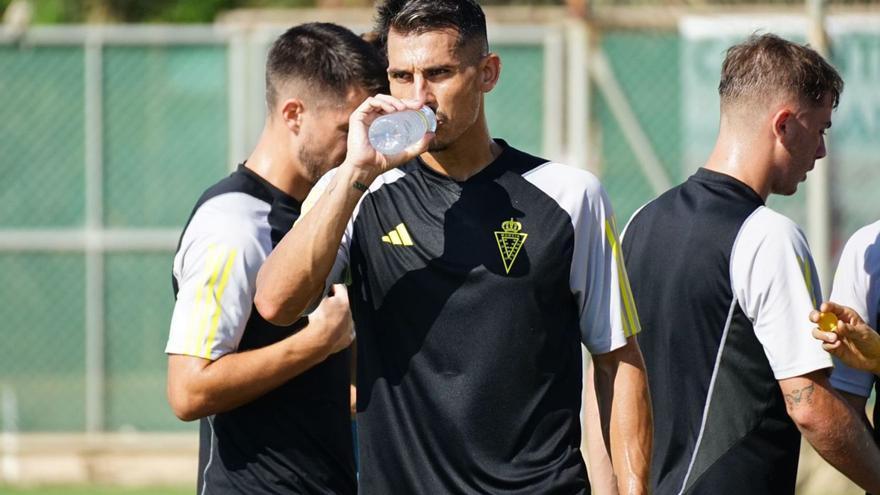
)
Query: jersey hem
[
  {"x": 170, "y": 350},
  {"x": 849, "y": 387},
  {"x": 802, "y": 369}
]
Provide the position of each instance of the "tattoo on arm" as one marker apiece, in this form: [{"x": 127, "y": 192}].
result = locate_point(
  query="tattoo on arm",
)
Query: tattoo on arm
[{"x": 801, "y": 395}]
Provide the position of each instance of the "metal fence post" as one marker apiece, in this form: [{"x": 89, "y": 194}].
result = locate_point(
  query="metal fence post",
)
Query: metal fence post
[
  {"x": 94, "y": 296},
  {"x": 580, "y": 153},
  {"x": 818, "y": 188}
]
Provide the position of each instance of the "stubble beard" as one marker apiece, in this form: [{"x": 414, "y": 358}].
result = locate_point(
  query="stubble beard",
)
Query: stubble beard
[{"x": 315, "y": 164}]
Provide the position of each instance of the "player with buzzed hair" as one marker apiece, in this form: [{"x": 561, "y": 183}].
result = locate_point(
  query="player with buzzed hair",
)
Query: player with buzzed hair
[
  {"x": 477, "y": 272},
  {"x": 273, "y": 400},
  {"x": 724, "y": 285}
]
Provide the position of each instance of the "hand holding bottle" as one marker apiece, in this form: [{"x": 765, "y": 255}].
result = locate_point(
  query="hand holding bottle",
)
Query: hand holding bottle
[
  {"x": 392, "y": 133},
  {"x": 362, "y": 156}
]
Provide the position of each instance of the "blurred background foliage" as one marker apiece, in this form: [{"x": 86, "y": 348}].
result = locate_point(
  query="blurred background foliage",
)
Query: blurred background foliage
[
  {"x": 183, "y": 11},
  {"x": 201, "y": 11}
]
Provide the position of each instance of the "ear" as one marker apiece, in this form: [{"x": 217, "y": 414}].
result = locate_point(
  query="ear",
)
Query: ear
[
  {"x": 490, "y": 71},
  {"x": 292, "y": 113},
  {"x": 781, "y": 121}
]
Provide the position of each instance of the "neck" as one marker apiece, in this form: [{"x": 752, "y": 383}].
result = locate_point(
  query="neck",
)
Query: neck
[
  {"x": 743, "y": 159},
  {"x": 276, "y": 164},
  {"x": 467, "y": 156}
]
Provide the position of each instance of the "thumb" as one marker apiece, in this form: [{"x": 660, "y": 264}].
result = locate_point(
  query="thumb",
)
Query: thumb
[
  {"x": 339, "y": 291},
  {"x": 411, "y": 151},
  {"x": 842, "y": 312}
]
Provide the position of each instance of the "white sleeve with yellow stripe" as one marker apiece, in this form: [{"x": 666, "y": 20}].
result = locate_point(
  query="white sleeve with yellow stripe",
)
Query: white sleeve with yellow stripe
[
  {"x": 774, "y": 281},
  {"x": 598, "y": 277},
  {"x": 224, "y": 245}
]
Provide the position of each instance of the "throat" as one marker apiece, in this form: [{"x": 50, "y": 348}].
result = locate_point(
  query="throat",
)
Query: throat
[{"x": 461, "y": 166}]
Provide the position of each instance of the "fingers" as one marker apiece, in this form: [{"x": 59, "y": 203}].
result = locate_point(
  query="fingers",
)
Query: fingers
[
  {"x": 844, "y": 313},
  {"x": 382, "y": 104},
  {"x": 396, "y": 104},
  {"x": 372, "y": 108},
  {"x": 831, "y": 307},
  {"x": 845, "y": 330},
  {"x": 831, "y": 348},
  {"x": 826, "y": 337},
  {"x": 399, "y": 104},
  {"x": 341, "y": 291},
  {"x": 411, "y": 151},
  {"x": 420, "y": 146},
  {"x": 814, "y": 315}
]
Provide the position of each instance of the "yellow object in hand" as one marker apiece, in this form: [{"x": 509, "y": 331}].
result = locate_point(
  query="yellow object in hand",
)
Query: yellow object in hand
[{"x": 827, "y": 322}]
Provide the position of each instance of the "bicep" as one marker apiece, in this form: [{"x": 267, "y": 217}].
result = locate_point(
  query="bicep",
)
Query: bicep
[
  {"x": 774, "y": 281},
  {"x": 216, "y": 278},
  {"x": 607, "y": 309}
]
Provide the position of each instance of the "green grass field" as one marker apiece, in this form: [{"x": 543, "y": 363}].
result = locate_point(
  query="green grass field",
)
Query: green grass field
[{"x": 93, "y": 490}]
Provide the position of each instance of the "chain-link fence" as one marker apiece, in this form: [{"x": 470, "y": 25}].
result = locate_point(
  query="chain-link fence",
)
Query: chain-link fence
[{"x": 109, "y": 135}]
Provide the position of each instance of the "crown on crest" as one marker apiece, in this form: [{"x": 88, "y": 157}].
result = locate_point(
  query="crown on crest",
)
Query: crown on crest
[{"x": 511, "y": 226}]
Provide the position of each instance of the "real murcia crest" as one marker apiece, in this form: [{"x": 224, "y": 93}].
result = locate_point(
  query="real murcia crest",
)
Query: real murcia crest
[{"x": 510, "y": 241}]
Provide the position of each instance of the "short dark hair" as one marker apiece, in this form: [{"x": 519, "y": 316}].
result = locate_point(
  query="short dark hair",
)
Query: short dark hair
[
  {"x": 326, "y": 57},
  {"x": 420, "y": 16},
  {"x": 767, "y": 64}
]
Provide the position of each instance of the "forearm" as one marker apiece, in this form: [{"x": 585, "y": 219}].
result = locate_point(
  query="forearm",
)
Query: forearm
[
  {"x": 199, "y": 388},
  {"x": 599, "y": 469},
  {"x": 835, "y": 431},
  {"x": 630, "y": 425},
  {"x": 295, "y": 272}
]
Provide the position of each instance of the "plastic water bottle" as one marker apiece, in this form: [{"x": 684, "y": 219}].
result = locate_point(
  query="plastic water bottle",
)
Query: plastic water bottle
[{"x": 390, "y": 134}]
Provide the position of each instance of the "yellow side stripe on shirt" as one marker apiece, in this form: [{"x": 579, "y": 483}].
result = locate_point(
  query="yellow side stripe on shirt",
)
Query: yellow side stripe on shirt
[
  {"x": 218, "y": 307},
  {"x": 807, "y": 271},
  {"x": 627, "y": 288},
  {"x": 195, "y": 312},
  {"x": 631, "y": 324},
  {"x": 205, "y": 303}
]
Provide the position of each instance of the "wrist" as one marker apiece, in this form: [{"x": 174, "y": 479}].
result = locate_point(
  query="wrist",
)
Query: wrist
[
  {"x": 311, "y": 338},
  {"x": 355, "y": 177}
]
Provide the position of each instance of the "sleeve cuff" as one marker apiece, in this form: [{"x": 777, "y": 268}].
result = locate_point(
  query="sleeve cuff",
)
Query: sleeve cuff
[{"x": 802, "y": 368}]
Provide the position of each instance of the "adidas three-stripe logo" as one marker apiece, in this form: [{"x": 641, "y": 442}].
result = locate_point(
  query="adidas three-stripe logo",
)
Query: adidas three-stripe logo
[{"x": 398, "y": 237}]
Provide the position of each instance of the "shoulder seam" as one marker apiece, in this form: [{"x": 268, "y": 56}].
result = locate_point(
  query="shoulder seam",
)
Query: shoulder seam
[{"x": 734, "y": 248}]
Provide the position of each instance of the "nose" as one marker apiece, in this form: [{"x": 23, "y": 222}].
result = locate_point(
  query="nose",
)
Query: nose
[
  {"x": 422, "y": 90},
  {"x": 821, "y": 151}
]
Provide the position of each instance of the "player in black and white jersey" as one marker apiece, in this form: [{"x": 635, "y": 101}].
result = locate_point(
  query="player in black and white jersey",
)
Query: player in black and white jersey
[
  {"x": 724, "y": 286},
  {"x": 857, "y": 286},
  {"x": 274, "y": 401},
  {"x": 477, "y": 271}
]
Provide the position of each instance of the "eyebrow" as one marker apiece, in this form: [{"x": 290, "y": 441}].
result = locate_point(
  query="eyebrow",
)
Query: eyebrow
[{"x": 392, "y": 70}]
